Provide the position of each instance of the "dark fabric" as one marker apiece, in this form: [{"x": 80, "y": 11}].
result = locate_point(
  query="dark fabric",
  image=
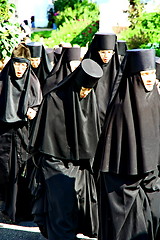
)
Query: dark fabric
[
  {"x": 129, "y": 207},
  {"x": 16, "y": 96},
  {"x": 60, "y": 70},
  {"x": 111, "y": 71},
  {"x": 44, "y": 68},
  {"x": 131, "y": 132},
  {"x": 14, "y": 93},
  {"x": 72, "y": 131},
  {"x": 66, "y": 131},
  {"x": 75, "y": 184},
  {"x": 128, "y": 158}
]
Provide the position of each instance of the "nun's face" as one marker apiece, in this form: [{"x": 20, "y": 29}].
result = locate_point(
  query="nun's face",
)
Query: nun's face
[
  {"x": 84, "y": 92},
  {"x": 106, "y": 55},
  {"x": 20, "y": 68},
  {"x": 35, "y": 62},
  {"x": 148, "y": 79}
]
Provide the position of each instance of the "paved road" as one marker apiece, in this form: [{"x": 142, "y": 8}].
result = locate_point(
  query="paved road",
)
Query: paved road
[{"x": 24, "y": 231}]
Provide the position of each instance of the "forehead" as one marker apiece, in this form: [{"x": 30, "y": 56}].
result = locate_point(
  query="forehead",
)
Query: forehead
[
  {"x": 34, "y": 59},
  {"x": 109, "y": 50},
  {"x": 84, "y": 88},
  {"x": 20, "y": 63},
  {"x": 148, "y": 72}
]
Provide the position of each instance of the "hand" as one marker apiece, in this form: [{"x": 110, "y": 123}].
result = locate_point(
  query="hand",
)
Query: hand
[{"x": 31, "y": 113}]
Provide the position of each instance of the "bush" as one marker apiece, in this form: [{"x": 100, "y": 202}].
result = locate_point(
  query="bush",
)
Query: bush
[
  {"x": 9, "y": 31},
  {"x": 9, "y": 36},
  {"x": 78, "y": 32},
  {"x": 80, "y": 11},
  {"x": 77, "y": 22},
  {"x": 60, "y": 5},
  {"x": 145, "y": 34}
]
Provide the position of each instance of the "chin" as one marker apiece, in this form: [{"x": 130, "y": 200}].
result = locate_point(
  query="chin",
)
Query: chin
[{"x": 149, "y": 89}]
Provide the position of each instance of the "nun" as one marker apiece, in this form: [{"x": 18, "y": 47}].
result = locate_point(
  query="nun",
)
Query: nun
[
  {"x": 20, "y": 97},
  {"x": 104, "y": 51},
  {"x": 67, "y": 63},
  {"x": 128, "y": 154},
  {"x": 40, "y": 62},
  {"x": 122, "y": 48},
  {"x": 64, "y": 141}
]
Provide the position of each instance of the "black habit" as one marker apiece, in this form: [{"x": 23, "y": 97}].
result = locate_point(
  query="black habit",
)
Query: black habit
[
  {"x": 128, "y": 158},
  {"x": 110, "y": 78},
  {"x": 16, "y": 96},
  {"x": 65, "y": 137}
]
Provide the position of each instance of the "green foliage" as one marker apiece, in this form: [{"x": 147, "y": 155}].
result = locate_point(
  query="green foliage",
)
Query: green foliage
[
  {"x": 135, "y": 10},
  {"x": 9, "y": 32},
  {"x": 145, "y": 33},
  {"x": 74, "y": 10},
  {"x": 77, "y": 22},
  {"x": 60, "y": 5},
  {"x": 6, "y": 10},
  {"x": 78, "y": 11},
  {"x": 85, "y": 36},
  {"x": 78, "y": 32},
  {"x": 9, "y": 36}
]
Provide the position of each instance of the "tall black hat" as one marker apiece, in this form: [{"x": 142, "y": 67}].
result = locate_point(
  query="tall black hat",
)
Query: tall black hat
[
  {"x": 158, "y": 70},
  {"x": 90, "y": 73},
  {"x": 35, "y": 49},
  {"x": 50, "y": 54},
  {"x": 122, "y": 47},
  {"x": 72, "y": 53},
  {"x": 140, "y": 60},
  {"x": 105, "y": 41}
]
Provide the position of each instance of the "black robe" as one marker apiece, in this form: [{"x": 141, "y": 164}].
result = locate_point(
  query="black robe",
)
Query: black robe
[
  {"x": 16, "y": 96},
  {"x": 60, "y": 70},
  {"x": 65, "y": 137},
  {"x": 44, "y": 68},
  {"x": 128, "y": 158},
  {"x": 108, "y": 83}
]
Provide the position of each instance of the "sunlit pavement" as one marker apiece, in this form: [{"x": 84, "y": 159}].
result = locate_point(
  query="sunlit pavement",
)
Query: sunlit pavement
[
  {"x": 26, "y": 231},
  {"x": 23, "y": 231}
]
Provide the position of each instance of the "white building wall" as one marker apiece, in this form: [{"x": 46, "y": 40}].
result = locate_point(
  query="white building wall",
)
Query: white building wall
[
  {"x": 112, "y": 13},
  {"x": 37, "y": 8}
]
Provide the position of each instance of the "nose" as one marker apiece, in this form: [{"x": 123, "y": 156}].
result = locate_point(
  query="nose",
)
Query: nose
[{"x": 19, "y": 68}]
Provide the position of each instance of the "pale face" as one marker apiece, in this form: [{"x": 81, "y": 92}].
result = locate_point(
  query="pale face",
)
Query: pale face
[
  {"x": 20, "y": 69},
  {"x": 35, "y": 62},
  {"x": 84, "y": 92},
  {"x": 106, "y": 55},
  {"x": 148, "y": 79},
  {"x": 74, "y": 64}
]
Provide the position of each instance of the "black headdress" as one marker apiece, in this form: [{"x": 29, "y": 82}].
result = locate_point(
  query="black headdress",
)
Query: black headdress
[
  {"x": 103, "y": 90},
  {"x": 67, "y": 126},
  {"x": 50, "y": 54},
  {"x": 14, "y": 92},
  {"x": 129, "y": 143},
  {"x": 140, "y": 60},
  {"x": 62, "y": 68},
  {"x": 18, "y": 94},
  {"x": 122, "y": 48},
  {"x": 42, "y": 71}
]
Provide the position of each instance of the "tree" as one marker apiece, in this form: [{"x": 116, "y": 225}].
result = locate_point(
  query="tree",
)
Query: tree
[
  {"x": 136, "y": 8},
  {"x": 60, "y": 5},
  {"x": 144, "y": 28},
  {"x": 75, "y": 10},
  {"x": 9, "y": 31}
]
